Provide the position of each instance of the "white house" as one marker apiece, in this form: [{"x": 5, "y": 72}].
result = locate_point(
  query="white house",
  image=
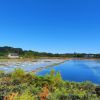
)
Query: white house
[{"x": 13, "y": 55}]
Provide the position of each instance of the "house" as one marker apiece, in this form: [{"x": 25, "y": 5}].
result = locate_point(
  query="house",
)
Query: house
[
  {"x": 89, "y": 56},
  {"x": 13, "y": 55}
]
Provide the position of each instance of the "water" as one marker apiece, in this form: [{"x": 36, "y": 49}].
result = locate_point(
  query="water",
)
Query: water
[
  {"x": 77, "y": 70},
  {"x": 72, "y": 70}
]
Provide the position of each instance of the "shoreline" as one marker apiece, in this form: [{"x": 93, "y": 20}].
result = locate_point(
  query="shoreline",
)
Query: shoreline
[
  {"x": 51, "y": 65},
  {"x": 25, "y": 59},
  {"x": 30, "y": 59}
]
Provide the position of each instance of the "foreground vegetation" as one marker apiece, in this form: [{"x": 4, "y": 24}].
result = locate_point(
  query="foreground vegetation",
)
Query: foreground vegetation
[{"x": 20, "y": 85}]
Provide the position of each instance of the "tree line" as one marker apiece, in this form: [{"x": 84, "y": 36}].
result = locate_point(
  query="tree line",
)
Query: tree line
[{"x": 4, "y": 51}]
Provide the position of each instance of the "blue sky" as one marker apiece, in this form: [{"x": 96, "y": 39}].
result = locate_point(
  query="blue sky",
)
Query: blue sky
[{"x": 51, "y": 25}]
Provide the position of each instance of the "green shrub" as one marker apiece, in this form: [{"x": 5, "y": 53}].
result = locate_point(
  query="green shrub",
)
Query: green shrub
[
  {"x": 25, "y": 96},
  {"x": 2, "y": 73},
  {"x": 18, "y": 73}
]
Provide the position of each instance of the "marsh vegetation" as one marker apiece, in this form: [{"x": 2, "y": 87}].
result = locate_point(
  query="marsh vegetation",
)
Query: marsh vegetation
[{"x": 21, "y": 85}]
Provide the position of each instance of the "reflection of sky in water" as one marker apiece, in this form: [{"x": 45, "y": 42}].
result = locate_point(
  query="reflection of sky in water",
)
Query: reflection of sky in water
[
  {"x": 95, "y": 67},
  {"x": 78, "y": 70}
]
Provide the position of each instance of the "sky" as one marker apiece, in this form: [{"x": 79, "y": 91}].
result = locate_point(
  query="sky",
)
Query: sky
[{"x": 57, "y": 26}]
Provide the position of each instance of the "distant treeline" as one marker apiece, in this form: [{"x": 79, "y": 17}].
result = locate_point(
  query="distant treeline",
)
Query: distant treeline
[{"x": 4, "y": 51}]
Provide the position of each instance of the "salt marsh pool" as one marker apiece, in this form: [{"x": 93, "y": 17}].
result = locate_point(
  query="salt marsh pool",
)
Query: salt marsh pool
[{"x": 77, "y": 70}]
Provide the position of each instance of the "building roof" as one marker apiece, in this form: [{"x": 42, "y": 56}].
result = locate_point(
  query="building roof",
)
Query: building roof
[{"x": 13, "y": 54}]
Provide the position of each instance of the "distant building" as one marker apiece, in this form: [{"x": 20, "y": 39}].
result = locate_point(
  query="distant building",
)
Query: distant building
[
  {"x": 13, "y": 55},
  {"x": 89, "y": 56}
]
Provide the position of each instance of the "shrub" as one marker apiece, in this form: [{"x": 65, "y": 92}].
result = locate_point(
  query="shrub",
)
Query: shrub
[
  {"x": 18, "y": 73},
  {"x": 25, "y": 96},
  {"x": 2, "y": 73}
]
